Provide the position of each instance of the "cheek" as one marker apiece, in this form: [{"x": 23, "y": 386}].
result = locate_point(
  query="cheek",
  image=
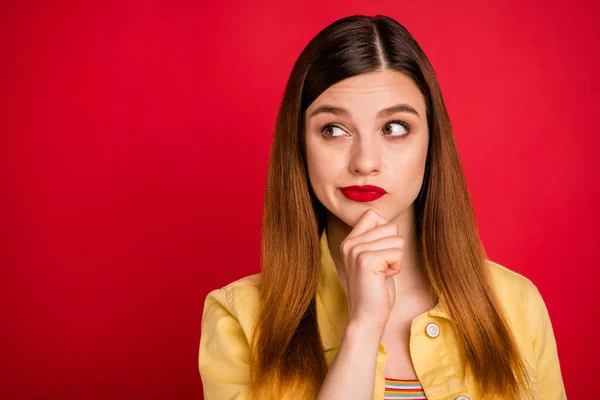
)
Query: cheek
[
  {"x": 318, "y": 169},
  {"x": 324, "y": 167},
  {"x": 313, "y": 160},
  {"x": 409, "y": 170}
]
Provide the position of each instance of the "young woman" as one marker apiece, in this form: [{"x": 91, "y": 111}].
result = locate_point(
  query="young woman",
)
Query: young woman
[{"x": 374, "y": 281}]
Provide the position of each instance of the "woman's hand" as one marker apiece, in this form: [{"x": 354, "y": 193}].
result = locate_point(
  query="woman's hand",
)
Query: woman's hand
[{"x": 372, "y": 254}]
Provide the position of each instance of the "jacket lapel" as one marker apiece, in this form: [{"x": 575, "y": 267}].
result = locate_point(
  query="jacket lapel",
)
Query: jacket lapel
[{"x": 332, "y": 300}]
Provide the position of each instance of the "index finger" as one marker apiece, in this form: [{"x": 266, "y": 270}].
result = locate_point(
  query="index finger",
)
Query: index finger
[{"x": 369, "y": 220}]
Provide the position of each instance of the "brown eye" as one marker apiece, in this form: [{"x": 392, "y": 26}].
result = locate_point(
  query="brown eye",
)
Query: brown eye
[
  {"x": 328, "y": 130},
  {"x": 395, "y": 128}
]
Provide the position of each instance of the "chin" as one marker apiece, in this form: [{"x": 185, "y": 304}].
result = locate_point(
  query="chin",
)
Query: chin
[{"x": 350, "y": 214}]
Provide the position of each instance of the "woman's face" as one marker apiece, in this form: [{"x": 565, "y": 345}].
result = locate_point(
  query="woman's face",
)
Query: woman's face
[{"x": 352, "y": 140}]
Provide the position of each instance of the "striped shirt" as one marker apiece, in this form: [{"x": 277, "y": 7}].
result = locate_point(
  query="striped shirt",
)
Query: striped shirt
[{"x": 403, "y": 389}]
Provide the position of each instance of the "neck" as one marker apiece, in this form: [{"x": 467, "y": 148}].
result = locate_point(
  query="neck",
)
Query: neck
[{"x": 411, "y": 279}]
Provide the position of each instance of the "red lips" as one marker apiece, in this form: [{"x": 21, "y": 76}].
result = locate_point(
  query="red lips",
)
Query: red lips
[{"x": 363, "y": 193}]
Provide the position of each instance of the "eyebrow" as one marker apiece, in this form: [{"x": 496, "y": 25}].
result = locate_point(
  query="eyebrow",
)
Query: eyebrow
[{"x": 386, "y": 112}]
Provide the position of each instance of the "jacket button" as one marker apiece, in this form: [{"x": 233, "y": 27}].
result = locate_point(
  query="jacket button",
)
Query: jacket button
[
  {"x": 462, "y": 398},
  {"x": 434, "y": 331}
]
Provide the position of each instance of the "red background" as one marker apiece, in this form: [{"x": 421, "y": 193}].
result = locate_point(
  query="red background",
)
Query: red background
[{"x": 134, "y": 143}]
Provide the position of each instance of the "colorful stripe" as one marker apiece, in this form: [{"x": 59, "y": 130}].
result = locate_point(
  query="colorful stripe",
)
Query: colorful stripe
[{"x": 403, "y": 389}]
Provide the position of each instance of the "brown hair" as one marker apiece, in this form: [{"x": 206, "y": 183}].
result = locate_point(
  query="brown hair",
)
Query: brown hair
[{"x": 287, "y": 359}]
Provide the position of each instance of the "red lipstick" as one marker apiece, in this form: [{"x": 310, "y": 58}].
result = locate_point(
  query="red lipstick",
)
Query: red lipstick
[{"x": 363, "y": 193}]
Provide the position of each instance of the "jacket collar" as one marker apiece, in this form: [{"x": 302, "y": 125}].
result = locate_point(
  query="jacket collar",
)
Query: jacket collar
[{"x": 332, "y": 300}]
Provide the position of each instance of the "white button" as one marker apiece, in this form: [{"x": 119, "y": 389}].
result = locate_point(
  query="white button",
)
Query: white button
[
  {"x": 433, "y": 331},
  {"x": 462, "y": 398}
]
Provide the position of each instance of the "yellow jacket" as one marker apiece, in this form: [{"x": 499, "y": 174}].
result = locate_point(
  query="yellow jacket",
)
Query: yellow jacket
[{"x": 229, "y": 313}]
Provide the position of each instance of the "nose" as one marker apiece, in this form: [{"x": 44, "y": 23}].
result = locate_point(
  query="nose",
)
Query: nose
[{"x": 366, "y": 157}]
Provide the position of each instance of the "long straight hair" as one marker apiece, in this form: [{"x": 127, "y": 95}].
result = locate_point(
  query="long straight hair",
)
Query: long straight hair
[{"x": 287, "y": 358}]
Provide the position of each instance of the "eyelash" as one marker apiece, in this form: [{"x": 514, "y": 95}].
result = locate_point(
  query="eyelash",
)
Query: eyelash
[{"x": 393, "y": 137}]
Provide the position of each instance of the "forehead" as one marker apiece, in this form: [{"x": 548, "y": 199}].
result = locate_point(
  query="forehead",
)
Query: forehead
[{"x": 369, "y": 92}]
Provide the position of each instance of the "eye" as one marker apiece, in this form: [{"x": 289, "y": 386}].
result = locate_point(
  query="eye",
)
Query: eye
[
  {"x": 328, "y": 131},
  {"x": 396, "y": 129}
]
